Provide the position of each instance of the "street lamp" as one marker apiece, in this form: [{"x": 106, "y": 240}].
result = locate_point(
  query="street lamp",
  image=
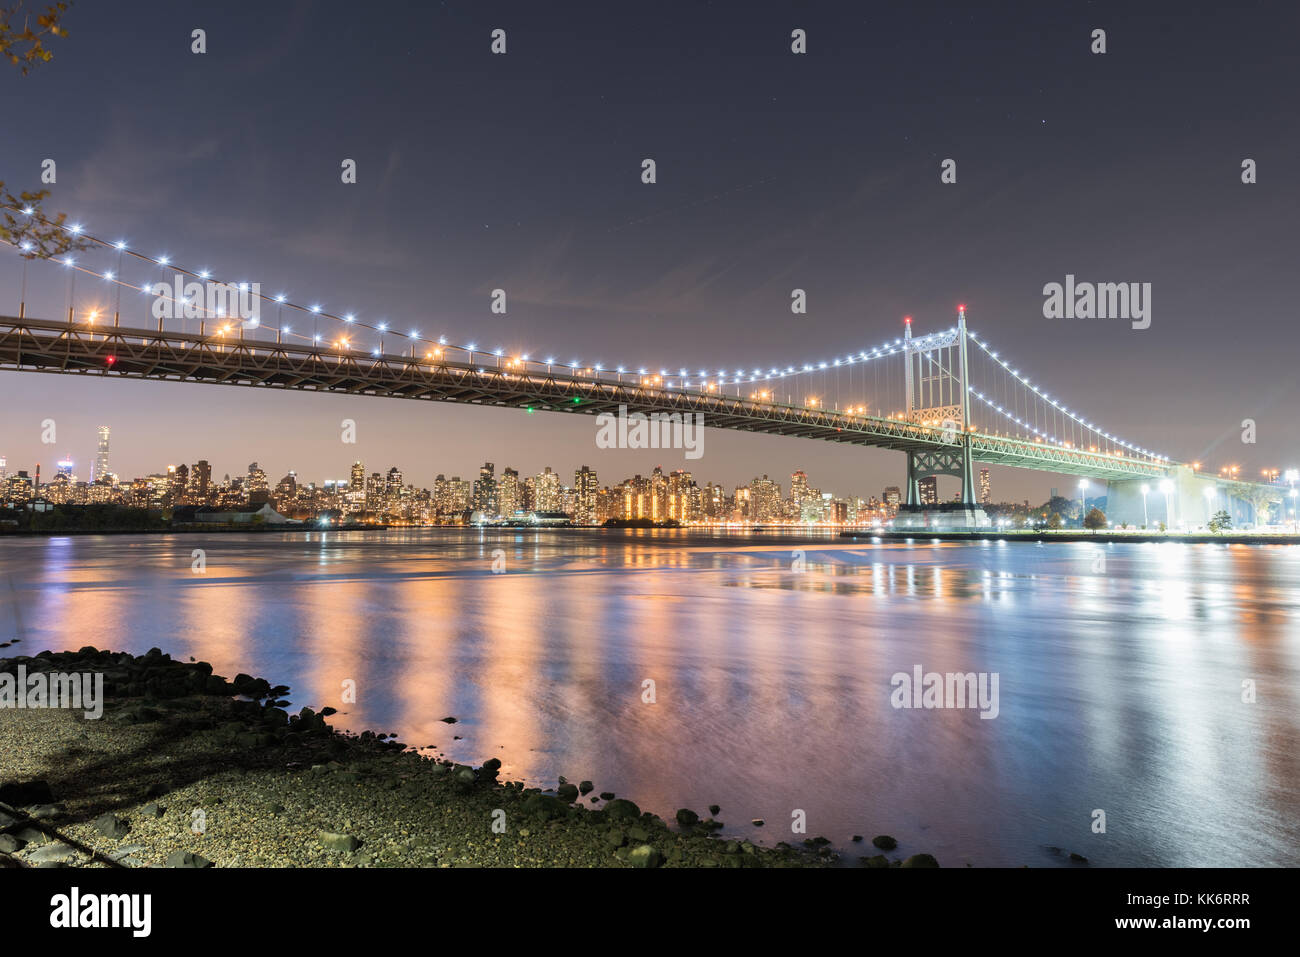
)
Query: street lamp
[
  {"x": 1167, "y": 488},
  {"x": 1145, "y": 489},
  {"x": 1083, "y": 500}
]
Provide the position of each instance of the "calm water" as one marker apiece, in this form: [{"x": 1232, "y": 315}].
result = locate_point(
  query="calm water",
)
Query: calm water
[{"x": 1120, "y": 682}]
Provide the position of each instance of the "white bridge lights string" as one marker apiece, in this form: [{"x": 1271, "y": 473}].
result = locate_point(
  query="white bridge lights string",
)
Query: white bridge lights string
[{"x": 722, "y": 377}]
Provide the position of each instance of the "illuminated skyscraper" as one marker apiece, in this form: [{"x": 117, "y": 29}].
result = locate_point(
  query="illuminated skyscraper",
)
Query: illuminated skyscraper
[
  {"x": 101, "y": 473},
  {"x": 585, "y": 487},
  {"x": 929, "y": 487},
  {"x": 550, "y": 493},
  {"x": 485, "y": 490},
  {"x": 985, "y": 490},
  {"x": 509, "y": 492}
]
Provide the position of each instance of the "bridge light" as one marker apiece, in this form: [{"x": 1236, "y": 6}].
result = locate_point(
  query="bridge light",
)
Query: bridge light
[
  {"x": 163, "y": 260},
  {"x": 204, "y": 274},
  {"x": 28, "y": 210},
  {"x": 280, "y": 298},
  {"x": 315, "y": 309},
  {"x": 110, "y": 360},
  {"x": 108, "y": 275}
]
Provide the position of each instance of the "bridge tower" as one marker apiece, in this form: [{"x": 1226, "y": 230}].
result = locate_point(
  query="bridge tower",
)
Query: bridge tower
[{"x": 936, "y": 377}]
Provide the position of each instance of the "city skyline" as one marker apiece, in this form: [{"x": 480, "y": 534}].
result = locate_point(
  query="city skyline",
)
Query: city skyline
[{"x": 774, "y": 193}]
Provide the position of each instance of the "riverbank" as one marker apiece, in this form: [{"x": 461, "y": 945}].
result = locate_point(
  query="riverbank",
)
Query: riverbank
[{"x": 188, "y": 769}]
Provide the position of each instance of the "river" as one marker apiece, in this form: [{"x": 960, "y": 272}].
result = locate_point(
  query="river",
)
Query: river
[{"x": 1154, "y": 688}]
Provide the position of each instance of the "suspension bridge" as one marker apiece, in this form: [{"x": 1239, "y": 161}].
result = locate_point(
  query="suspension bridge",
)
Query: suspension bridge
[{"x": 946, "y": 399}]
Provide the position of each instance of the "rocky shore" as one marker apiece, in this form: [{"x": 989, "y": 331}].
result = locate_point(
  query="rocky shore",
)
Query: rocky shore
[{"x": 188, "y": 769}]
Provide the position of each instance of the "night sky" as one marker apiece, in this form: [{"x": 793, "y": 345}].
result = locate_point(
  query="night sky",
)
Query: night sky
[{"x": 775, "y": 171}]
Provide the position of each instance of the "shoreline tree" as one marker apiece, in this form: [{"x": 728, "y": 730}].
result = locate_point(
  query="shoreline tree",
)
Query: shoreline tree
[
  {"x": 1095, "y": 519},
  {"x": 36, "y": 235}
]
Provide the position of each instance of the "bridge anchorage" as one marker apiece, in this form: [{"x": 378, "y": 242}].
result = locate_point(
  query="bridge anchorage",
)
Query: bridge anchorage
[{"x": 936, "y": 377}]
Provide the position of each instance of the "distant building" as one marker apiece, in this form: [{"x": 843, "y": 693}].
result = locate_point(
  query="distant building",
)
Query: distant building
[
  {"x": 985, "y": 490},
  {"x": 893, "y": 497},
  {"x": 101, "y": 472},
  {"x": 929, "y": 488},
  {"x": 485, "y": 490},
  {"x": 586, "y": 489}
]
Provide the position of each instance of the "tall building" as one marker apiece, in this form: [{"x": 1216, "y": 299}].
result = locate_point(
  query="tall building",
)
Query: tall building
[
  {"x": 485, "y": 490},
  {"x": 985, "y": 489},
  {"x": 200, "y": 487},
  {"x": 256, "y": 486},
  {"x": 550, "y": 493},
  {"x": 764, "y": 500},
  {"x": 510, "y": 492},
  {"x": 101, "y": 472},
  {"x": 681, "y": 496},
  {"x": 799, "y": 492},
  {"x": 357, "y": 488},
  {"x": 585, "y": 489},
  {"x": 929, "y": 487}
]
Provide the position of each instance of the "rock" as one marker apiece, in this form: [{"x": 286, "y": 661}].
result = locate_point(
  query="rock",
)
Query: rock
[
  {"x": 465, "y": 778},
  {"x": 687, "y": 818},
  {"x": 32, "y": 835},
  {"x": 568, "y": 793},
  {"x": 607, "y": 795},
  {"x": 857, "y": 838},
  {"x": 757, "y": 822},
  {"x": 112, "y": 826},
  {"x": 9, "y": 844},
  {"x": 585, "y": 787},
  {"x": 188, "y": 860},
  {"x": 644, "y": 856},
  {"x": 1078, "y": 858},
  {"x": 621, "y": 808},
  {"x": 492, "y": 764},
  {"x": 25, "y": 793},
  {"x": 338, "y": 842},
  {"x": 884, "y": 842},
  {"x": 46, "y": 812},
  {"x": 920, "y": 860},
  {"x": 151, "y": 810},
  {"x": 54, "y": 853},
  {"x": 449, "y": 720},
  {"x": 714, "y": 810},
  {"x": 638, "y": 833},
  {"x": 878, "y": 861},
  {"x": 8, "y": 819},
  {"x": 126, "y": 850},
  {"x": 545, "y": 807}
]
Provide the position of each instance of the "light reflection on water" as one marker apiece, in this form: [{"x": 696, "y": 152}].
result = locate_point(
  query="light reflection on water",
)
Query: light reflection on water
[{"x": 1120, "y": 682}]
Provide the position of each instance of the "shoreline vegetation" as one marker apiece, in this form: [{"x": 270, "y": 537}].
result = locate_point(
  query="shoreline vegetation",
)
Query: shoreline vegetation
[{"x": 189, "y": 769}]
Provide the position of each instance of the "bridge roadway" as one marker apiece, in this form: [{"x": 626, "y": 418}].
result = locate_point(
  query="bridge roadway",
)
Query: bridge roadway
[{"x": 110, "y": 351}]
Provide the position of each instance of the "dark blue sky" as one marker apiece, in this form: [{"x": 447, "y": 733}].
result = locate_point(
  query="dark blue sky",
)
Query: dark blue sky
[{"x": 775, "y": 171}]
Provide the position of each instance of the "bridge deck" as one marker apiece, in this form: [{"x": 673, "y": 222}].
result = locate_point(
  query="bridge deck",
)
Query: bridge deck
[{"x": 46, "y": 346}]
